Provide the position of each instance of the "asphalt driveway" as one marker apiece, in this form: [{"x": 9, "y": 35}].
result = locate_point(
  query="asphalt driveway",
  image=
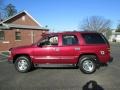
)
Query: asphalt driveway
[{"x": 105, "y": 78}]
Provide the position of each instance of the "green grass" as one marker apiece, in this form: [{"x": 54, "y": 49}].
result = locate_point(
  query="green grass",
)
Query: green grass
[{"x": 5, "y": 53}]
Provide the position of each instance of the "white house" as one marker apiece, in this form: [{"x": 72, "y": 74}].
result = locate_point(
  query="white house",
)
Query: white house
[{"x": 115, "y": 37}]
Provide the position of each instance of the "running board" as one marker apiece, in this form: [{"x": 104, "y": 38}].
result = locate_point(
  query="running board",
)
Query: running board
[{"x": 54, "y": 65}]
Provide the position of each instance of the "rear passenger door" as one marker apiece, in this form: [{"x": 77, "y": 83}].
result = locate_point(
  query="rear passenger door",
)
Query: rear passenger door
[{"x": 69, "y": 49}]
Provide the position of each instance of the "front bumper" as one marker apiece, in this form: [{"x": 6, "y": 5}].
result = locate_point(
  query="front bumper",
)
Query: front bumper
[{"x": 10, "y": 59}]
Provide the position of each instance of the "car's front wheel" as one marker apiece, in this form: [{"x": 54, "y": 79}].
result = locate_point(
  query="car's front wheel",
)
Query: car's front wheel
[
  {"x": 23, "y": 64},
  {"x": 87, "y": 64}
]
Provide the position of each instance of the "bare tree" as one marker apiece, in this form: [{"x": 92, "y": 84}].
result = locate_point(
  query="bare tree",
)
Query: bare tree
[
  {"x": 6, "y": 11},
  {"x": 118, "y": 28},
  {"x": 1, "y": 10},
  {"x": 96, "y": 23},
  {"x": 10, "y": 10}
]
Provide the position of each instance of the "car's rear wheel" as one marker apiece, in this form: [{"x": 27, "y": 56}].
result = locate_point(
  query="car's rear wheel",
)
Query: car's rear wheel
[
  {"x": 23, "y": 64},
  {"x": 87, "y": 64}
]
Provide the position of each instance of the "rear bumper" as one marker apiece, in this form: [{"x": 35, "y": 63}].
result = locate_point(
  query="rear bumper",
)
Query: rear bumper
[
  {"x": 111, "y": 59},
  {"x": 105, "y": 59}
]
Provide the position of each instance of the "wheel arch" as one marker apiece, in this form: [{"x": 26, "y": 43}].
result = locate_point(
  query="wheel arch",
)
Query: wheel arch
[
  {"x": 89, "y": 54},
  {"x": 18, "y": 55}
]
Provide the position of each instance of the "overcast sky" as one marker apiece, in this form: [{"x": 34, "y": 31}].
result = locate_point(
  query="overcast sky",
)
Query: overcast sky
[{"x": 62, "y": 15}]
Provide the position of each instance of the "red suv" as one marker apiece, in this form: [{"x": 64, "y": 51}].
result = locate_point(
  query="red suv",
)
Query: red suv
[{"x": 86, "y": 50}]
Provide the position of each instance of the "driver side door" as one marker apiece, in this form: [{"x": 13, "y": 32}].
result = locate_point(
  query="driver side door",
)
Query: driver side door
[{"x": 48, "y": 50}]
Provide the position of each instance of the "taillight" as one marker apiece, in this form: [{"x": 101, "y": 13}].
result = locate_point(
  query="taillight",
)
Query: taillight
[{"x": 108, "y": 49}]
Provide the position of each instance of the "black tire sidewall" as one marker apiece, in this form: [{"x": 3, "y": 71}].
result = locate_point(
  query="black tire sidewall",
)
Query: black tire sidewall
[
  {"x": 28, "y": 62},
  {"x": 85, "y": 58}
]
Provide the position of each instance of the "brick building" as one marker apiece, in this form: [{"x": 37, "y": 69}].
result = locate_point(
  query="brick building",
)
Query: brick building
[{"x": 18, "y": 30}]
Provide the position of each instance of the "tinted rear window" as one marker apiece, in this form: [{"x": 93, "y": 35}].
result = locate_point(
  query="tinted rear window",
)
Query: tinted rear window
[{"x": 93, "y": 38}]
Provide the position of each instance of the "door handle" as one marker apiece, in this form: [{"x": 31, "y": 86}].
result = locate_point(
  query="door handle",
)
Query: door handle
[
  {"x": 77, "y": 48},
  {"x": 56, "y": 49}
]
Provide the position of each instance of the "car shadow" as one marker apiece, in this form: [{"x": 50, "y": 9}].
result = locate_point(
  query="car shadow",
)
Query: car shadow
[
  {"x": 92, "y": 85},
  {"x": 57, "y": 67}
]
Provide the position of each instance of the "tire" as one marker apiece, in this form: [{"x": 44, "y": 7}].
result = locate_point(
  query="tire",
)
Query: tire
[
  {"x": 23, "y": 64},
  {"x": 87, "y": 64}
]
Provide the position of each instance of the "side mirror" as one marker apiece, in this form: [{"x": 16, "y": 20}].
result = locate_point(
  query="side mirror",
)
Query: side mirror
[{"x": 41, "y": 44}]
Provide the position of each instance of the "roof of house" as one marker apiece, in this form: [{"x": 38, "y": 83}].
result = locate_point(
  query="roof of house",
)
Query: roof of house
[
  {"x": 9, "y": 18},
  {"x": 4, "y": 25},
  {"x": 8, "y": 26}
]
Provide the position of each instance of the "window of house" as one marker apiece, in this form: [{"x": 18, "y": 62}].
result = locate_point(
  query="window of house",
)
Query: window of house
[
  {"x": 2, "y": 35},
  {"x": 17, "y": 35},
  {"x": 70, "y": 40},
  {"x": 23, "y": 18}
]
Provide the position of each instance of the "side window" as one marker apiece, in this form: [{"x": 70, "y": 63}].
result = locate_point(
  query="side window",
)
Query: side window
[
  {"x": 17, "y": 35},
  {"x": 69, "y": 40},
  {"x": 94, "y": 38},
  {"x": 2, "y": 35},
  {"x": 52, "y": 40},
  {"x": 44, "y": 42}
]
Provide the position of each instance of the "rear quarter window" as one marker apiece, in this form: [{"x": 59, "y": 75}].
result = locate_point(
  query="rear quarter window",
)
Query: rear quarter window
[{"x": 93, "y": 38}]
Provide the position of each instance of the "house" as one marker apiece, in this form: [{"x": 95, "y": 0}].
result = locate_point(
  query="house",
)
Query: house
[
  {"x": 18, "y": 30},
  {"x": 115, "y": 37}
]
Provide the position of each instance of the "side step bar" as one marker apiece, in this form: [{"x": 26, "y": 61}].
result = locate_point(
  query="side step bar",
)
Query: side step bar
[{"x": 54, "y": 65}]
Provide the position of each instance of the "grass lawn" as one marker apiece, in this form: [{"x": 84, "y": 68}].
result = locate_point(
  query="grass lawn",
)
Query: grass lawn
[{"x": 5, "y": 53}]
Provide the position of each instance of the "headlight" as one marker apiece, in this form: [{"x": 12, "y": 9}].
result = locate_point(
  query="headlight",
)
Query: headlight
[{"x": 10, "y": 51}]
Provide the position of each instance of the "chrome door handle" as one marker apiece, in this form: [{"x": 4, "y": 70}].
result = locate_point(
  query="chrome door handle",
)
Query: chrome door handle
[
  {"x": 77, "y": 48},
  {"x": 56, "y": 49}
]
